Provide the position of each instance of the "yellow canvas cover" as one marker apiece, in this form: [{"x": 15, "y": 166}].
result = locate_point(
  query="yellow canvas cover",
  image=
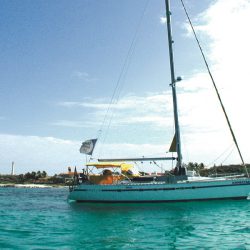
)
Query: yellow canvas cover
[{"x": 124, "y": 166}]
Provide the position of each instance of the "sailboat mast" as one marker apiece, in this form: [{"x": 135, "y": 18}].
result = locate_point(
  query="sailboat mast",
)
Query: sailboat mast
[{"x": 173, "y": 85}]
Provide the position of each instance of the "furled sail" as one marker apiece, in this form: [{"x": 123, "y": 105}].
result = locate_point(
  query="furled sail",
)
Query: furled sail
[
  {"x": 88, "y": 147},
  {"x": 173, "y": 145}
]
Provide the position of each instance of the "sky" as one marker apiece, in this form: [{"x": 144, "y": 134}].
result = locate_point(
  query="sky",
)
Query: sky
[{"x": 76, "y": 70}]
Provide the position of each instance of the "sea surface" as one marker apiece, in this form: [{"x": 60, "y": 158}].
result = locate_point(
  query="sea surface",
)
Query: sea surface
[{"x": 33, "y": 218}]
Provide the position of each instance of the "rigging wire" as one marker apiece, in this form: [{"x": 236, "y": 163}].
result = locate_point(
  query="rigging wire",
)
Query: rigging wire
[
  {"x": 227, "y": 156},
  {"x": 213, "y": 162},
  {"x": 216, "y": 89},
  {"x": 119, "y": 84},
  {"x": 160, "y": 167}
]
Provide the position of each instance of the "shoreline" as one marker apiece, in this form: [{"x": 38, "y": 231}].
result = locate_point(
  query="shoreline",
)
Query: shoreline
[{"x": 31, "y": 185}]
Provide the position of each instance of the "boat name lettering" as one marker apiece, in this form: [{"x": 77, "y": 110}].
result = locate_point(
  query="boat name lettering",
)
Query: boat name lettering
[{"x": 241, "y": 182}]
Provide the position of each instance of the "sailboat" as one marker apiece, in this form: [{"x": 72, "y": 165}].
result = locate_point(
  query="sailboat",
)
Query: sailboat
[{"x": 118, "y": 182}]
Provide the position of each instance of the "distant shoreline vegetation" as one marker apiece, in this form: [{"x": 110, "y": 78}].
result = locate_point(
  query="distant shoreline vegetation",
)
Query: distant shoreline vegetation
[
  {"x": 217, "y": 170},
  {"x": 41, "y": 177}
]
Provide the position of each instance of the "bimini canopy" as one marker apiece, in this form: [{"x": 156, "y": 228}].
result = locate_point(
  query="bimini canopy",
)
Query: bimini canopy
[{"x": 122, "y": 165}]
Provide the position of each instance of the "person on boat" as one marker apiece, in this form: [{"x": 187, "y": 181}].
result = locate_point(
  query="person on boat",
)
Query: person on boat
[
  {"x": 83, "y": 176},
  {"x": 107, "y": 172}
]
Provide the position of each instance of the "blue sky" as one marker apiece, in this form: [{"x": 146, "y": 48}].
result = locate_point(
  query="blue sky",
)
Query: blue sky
[{"x": 61, "y": 60}]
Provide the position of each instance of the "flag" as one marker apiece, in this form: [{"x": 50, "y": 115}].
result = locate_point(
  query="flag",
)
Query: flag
[
  {"x": 173, "y": 145},
  {"x": 88, "y": 147}
]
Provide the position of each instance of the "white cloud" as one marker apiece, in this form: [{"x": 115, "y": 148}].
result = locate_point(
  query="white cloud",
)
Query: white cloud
[
  {"x": 153, "y": 101},
  {"x": 83, "y": 76},
  {"x": 163, "y": 20},
  {"x": 75, "y": 124},
  {"x": 152, "y": 108},
  {"x": 33, "y": 153},
  {"x": 88, "y": 104},
  {"x": 225, "y": 24},
  {"x": 204, "y": 132}
]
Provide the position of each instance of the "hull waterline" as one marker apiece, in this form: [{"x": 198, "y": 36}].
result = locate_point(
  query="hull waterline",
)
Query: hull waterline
[{"x": 154, "y": 192}]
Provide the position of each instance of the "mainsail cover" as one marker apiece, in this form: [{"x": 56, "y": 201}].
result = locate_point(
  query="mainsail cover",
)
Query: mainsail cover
[
  {"x": 173, "y": 145},
  {"x": 88, "y": 147}
]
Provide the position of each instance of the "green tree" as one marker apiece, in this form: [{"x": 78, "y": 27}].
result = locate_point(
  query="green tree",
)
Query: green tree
[
  {"x": 44, "y": 174},
  {"x": 38, "y": 174}
]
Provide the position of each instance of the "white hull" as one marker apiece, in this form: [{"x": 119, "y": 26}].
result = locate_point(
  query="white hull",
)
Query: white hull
[{"x": 161, "y": 192}]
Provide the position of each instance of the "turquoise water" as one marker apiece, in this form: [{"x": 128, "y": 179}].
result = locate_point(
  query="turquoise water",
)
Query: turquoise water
[{"x": 43, "y": 219}]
